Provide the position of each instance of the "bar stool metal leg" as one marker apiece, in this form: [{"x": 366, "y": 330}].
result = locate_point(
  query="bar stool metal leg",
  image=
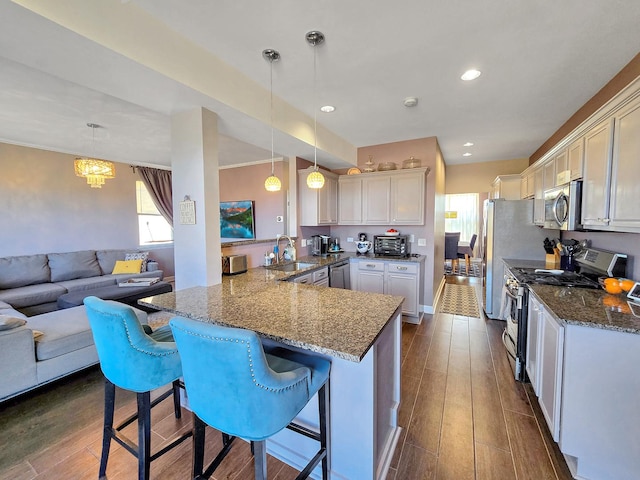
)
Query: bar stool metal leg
[
  {"x": 144, "y": 435},
  {"x": 107, "y": 429}
]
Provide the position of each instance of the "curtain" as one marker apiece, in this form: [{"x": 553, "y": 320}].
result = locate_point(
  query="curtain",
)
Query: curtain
[
  {"x": 158, "y": 183},
  {"x": 465, "y": 206}
]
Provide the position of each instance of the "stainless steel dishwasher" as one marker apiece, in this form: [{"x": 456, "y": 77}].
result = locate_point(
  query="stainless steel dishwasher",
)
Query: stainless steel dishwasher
[{"x": 339, "y": 275}]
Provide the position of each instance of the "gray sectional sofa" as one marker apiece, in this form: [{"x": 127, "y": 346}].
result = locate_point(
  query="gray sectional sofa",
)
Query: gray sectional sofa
[
  {"x": 32, "y": 283},
  {"x": 45, "y": 348},
  {"x": 52, "y": 343}
]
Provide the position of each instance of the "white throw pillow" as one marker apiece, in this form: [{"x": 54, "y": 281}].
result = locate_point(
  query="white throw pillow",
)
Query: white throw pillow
[{"x": 139, "y": 256}]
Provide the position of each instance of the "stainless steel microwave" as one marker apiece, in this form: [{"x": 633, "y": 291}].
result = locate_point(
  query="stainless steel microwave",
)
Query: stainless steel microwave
[{"x": 562, "y": 207}]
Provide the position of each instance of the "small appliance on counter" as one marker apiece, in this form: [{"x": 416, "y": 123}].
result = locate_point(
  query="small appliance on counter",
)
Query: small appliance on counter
[
  {"x": 234, "y": 264},
  {"x": 320, "y": 245},
  {"x": 391, "y": 245}
]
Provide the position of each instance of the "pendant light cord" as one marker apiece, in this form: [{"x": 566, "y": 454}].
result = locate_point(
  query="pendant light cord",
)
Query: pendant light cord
[
  {"x": 271, "y": 110},
  {"x": 315, "y": 113}
]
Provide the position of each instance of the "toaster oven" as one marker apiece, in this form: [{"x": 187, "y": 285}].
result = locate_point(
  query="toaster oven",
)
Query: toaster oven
[{"x": 391, "y": 245}]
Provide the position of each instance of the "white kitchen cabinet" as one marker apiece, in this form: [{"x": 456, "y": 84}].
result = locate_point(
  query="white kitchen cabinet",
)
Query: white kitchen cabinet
[
  {"x": 407, "y": 199},
  {"x": 625, "y": 170},
  {"x": 550, "y": 370},
  {"x": 549, "y": 174},
  {"x": 534, "y": 327},
  {"x": 596, "y": 180},
  {"x": 318, "y": 206},
  {"x": 575, "y": 158},
  {"x": 561, "y": 168},
  {"x": 376, "y": 196},
  {"x": 383, "y": 198},
  {"x": 349, "y": 200},
  {"x": 538, "y": 199},
  {"x": 402, "y": 280},
  {"x": 393, "y": 278},
  {"x": 370, "y": 276},
  {"x": 319, "y": 277},
  {"x": 527, "y": 185},
  {"x": 506, "y": 186}
]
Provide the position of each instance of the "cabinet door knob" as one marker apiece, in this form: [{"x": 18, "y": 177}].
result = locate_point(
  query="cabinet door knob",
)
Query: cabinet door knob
[{"x": 401, "y": 268}]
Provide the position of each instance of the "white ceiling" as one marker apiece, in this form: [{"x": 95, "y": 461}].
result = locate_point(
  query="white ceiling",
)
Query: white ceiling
[{"x": 541, "y": 61}]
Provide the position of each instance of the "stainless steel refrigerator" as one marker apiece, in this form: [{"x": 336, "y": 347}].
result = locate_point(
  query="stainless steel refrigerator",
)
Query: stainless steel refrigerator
[{"x": 508, "y": 232}]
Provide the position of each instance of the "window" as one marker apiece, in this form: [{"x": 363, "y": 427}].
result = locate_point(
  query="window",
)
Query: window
[
  {"x": 461, "y": 214},
  {"x": 152, "y": 227}
]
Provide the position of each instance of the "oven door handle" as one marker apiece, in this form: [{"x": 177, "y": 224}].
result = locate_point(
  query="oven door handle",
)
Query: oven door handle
[{"x": 504, "y": 341}]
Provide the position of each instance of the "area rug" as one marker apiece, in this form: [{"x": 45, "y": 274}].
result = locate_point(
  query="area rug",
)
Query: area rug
[
  {"x": 459, "y": 300},
  {"x": 460, "y": 269}
]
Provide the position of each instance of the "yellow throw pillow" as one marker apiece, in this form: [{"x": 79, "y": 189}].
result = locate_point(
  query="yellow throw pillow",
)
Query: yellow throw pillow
[{"x": 127, "y": 266}]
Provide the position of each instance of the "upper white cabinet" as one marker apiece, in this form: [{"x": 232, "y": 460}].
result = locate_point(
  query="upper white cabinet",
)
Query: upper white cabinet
[
  {"x": 318, "y": 206},
  {"x": 611, "y": 185},
  {"x": 538, "y": 199},
  {"x": 527, "y": 185},
  {"x": 507, "y": 187},
  {"x": 549, "y": 175},
  {"x": 407, "y": 199},
  {"x": 389, "y": 198},
  {"x": 350, "y": 200},
  {"x": 597, "y": 161},
  {"x": 376, "y": 196},
  {"x": 575, "y": 159},
  {"x": 625, "y": 170}
]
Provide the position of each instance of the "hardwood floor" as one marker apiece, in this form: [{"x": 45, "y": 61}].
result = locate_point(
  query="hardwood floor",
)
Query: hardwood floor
[{"x": 462, "y": 413}]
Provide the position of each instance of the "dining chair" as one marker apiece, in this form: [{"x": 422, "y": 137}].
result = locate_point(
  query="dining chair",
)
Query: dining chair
[
  {"x": 235, "y": 387},
  {"x": 138, "y": 361},
  {"x": 451, "y": 240},
  {"x": 468, "y": 253}
]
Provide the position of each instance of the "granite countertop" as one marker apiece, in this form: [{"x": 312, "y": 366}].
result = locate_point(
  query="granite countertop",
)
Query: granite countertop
[
  {"x": 336, "y": 322},
  {"x": 584, "y": 306}
]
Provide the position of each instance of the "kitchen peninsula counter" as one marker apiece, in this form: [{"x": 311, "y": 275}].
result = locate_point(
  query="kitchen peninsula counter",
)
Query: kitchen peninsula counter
[{"x": 359, "y": 332}]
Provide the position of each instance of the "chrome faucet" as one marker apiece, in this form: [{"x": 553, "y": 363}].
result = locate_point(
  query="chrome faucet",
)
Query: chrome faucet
[{"x": 281, "y": 253}]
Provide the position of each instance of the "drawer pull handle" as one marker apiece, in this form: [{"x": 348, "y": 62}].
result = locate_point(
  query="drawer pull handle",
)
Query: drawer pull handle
[
  {"x": 401, "y": 268},
  {"x": 371, "y": 265}
]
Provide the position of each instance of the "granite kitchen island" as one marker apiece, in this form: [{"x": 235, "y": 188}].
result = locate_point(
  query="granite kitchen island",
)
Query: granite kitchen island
[{"x": 359, "y": 332}]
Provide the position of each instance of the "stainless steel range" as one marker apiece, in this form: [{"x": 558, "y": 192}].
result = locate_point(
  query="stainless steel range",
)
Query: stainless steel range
[{"x": 590, "y": 264}]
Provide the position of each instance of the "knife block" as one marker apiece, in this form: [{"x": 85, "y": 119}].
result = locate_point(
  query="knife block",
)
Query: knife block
[{"x": 552, "y": 260}]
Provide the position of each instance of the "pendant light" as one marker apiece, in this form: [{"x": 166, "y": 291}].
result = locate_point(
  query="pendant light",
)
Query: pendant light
[
  {"x": 272, "y": 183},
  {"x": 315, "y": 179},
  {"x": 94, "y": 170}
]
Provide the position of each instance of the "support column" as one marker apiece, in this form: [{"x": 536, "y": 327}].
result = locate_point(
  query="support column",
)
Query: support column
[{"x": 194, "y": 160}]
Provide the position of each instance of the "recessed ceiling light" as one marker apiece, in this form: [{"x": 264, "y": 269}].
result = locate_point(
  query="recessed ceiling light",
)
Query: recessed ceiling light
[
  {"x": 328, "y": 108},
  {"x": 468, "y": 144},
  {"x": 470, "y": 75},
  {"x": 410, "y": 102},
  {"x": 467, "y": 154}
]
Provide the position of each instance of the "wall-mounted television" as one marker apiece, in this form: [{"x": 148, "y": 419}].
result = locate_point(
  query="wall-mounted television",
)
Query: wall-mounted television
[{"x": 237, "y": 219}]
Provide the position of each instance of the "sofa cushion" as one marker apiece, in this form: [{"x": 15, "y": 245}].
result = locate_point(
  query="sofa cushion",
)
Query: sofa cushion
[
  {"x": 32, "y": 294},
  {"x": 65, "y": 331},
  {"x": 7, "y": 322},
  {"x": 87, "y": 283},
  {"x": 107, "y": 259},
  {"x": 24, "y": 270},
  {"x": 67, "y": 266}
]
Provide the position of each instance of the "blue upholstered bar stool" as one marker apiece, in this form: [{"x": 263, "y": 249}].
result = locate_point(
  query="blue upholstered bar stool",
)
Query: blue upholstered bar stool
[
  {"x": 134, "y": 360},
  {"x": 235, "y": 387}
]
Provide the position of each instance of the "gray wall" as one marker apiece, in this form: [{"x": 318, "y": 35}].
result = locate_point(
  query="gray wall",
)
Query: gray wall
[{"x": 45, "y": 208}]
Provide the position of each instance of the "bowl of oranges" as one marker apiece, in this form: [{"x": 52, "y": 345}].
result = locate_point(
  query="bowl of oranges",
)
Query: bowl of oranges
[{"x": 615, "y": 286}]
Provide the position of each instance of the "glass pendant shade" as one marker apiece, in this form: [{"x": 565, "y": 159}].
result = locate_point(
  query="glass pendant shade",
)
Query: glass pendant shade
[
  {"x": 95, "y": 171},
  {"x": 315, "y": 179},
  {"x": 272, "y": 184}
]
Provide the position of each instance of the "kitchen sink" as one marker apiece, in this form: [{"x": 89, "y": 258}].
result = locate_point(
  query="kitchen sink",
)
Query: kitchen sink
[{"x": 291, "y": 267}]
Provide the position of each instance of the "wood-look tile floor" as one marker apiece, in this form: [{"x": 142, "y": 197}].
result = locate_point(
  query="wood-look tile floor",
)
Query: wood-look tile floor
[{"x": 463, "y": 417}]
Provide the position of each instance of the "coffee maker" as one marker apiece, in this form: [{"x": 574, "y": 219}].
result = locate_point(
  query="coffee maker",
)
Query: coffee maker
[{"x": 320, "y": 244}]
